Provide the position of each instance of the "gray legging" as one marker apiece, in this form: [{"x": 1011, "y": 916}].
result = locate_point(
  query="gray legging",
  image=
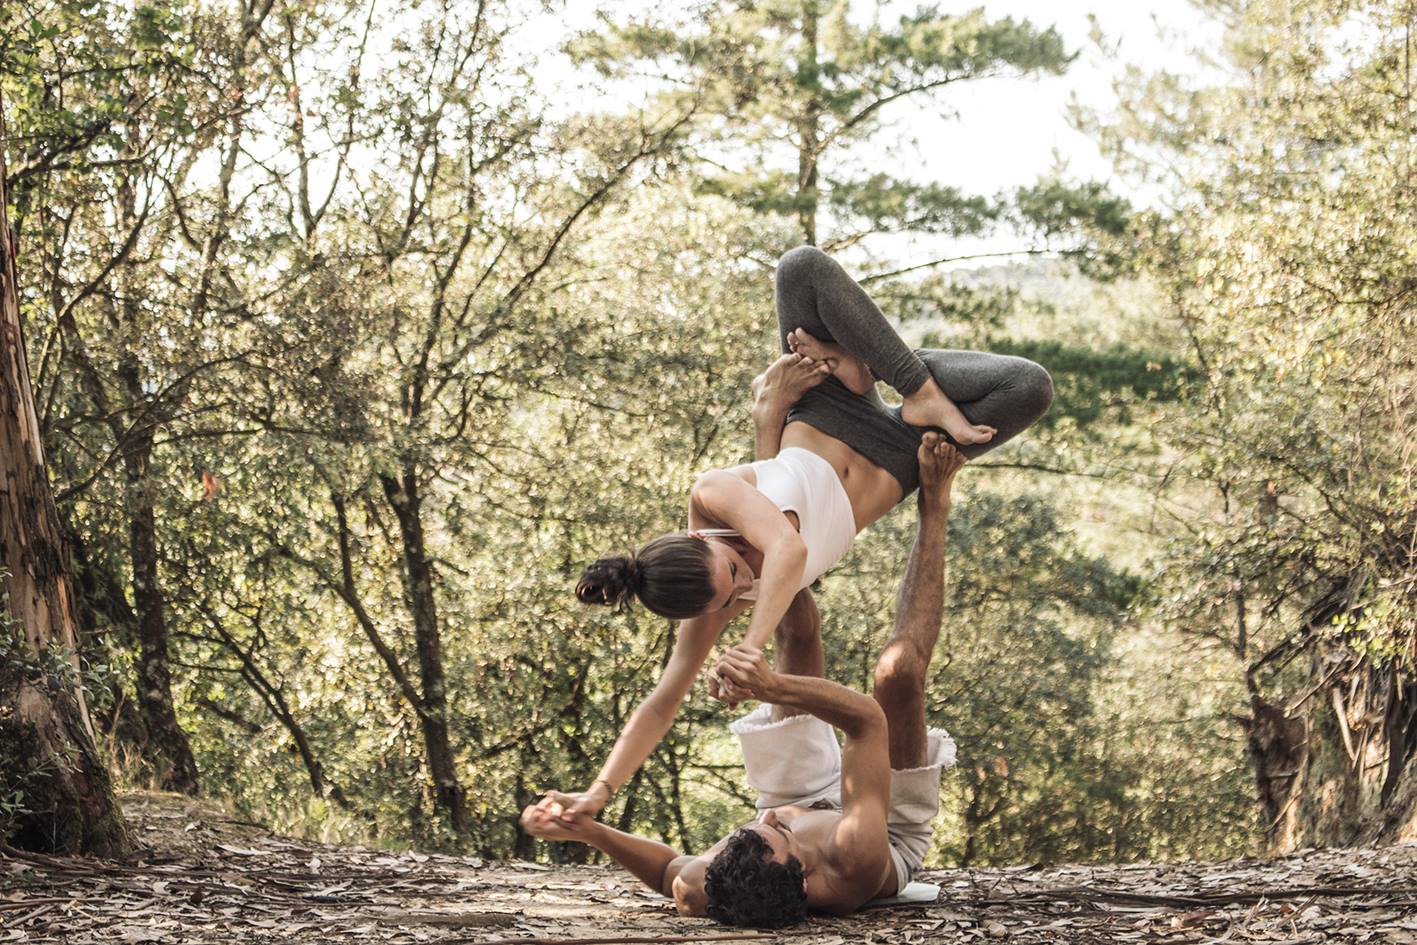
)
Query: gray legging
[{"x": 1002, "y": 391}]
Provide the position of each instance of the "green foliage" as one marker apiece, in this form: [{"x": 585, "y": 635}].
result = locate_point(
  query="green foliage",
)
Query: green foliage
[
  {"x": 785, "y": 91},
  {"x": 1090, "y": 383},
  {"x": 1289, "y": 263},
  {"x": 883, "y": 203},
  {"x": 347, "y": 284}
]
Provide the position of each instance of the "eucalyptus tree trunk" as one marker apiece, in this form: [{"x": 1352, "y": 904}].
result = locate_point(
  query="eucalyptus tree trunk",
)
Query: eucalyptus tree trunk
[{"x": 46, "y": 739}]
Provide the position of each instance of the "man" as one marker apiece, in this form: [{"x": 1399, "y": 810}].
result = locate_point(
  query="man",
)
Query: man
[{"x": 838, "y": 826}]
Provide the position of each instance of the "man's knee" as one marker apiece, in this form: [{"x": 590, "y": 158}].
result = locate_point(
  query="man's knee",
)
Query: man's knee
[
  {"x": 900, "y": 674},
  {"x": 800, "y": 264}
]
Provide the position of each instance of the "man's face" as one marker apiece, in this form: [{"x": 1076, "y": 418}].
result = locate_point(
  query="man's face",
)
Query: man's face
[
  {"x": 779, "y": 836},
  {"x": 689, "y": 887}
]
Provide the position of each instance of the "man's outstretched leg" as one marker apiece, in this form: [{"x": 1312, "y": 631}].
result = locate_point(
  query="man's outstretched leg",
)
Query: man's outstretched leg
[
  {"x": 918, "y": 754},
  {"x": 901, "y": 668}
]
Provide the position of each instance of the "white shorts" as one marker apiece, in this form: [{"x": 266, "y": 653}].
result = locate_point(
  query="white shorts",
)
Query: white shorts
[{"x": 797, "y": 761}]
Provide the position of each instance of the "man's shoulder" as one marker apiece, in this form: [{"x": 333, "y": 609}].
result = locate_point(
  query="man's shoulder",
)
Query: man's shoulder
[
  {"x": 687, "y": 884},
  {"x": 855, "y": 873}
]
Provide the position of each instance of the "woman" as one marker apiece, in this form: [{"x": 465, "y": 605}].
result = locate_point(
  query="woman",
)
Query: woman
[{"x": 761, "y": 532}]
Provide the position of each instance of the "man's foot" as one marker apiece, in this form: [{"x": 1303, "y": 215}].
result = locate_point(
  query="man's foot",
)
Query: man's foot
[
  {"x": 939, "y": 462},
  {"x": 929, "y": 407},
  {"x": 789, "y": 377},
  {"x": 848, "y": 368}
]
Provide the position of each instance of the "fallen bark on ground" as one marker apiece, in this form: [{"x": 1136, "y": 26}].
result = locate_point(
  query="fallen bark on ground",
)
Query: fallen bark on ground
[{"x": 208, "y": 878}]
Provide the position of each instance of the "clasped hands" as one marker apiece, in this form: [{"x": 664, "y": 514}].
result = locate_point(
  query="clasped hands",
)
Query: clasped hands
[
  {"x": 742, "y": 673},
  {"x": 560, "y": 816}
]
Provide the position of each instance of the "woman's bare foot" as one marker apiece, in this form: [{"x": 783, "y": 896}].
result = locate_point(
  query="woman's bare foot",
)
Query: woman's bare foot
[
  {"x": 787, "y": 379},
  {"x": 929, "y": 407},
  {"x": 848, "y": 368}
]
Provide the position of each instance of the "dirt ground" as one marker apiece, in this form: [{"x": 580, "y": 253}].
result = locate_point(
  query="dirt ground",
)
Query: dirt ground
[{"x": 205, "y": 877}]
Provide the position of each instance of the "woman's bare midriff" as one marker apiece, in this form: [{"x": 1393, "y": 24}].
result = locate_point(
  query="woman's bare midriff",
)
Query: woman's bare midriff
[{"x": 873, "y": 491}]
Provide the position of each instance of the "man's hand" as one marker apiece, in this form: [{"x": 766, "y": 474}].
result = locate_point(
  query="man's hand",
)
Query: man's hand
[
  {"x": 745, "y": 668},
  {"x": 784, "y": 383},
  {"x": 550, "y": 819},
  {"x": 720, "y": 688},
  {"x": 939, "y": 463}
]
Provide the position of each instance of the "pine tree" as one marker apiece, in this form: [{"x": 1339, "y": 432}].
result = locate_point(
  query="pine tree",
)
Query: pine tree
[{"x": 786, "y": 89}]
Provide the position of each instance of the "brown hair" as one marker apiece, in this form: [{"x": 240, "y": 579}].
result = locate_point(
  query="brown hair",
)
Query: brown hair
[
  {"x": 745, "y": 887},
  {"x": 670, "y": 576}
]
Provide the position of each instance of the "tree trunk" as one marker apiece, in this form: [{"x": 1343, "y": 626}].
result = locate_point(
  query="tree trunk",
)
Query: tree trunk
[
  {"x": 1360, "y": 783},
  {"x": 808, "y": 72},
  {"x": 403, "y": 495},
  {"x": 46, "y": 738},
  {"x": 1278, "y": 748},
  {"x": 167, "y": 748}
]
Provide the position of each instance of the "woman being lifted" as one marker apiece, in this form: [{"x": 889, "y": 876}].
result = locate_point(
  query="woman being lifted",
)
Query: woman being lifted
[{"x": 760, "y": 532}]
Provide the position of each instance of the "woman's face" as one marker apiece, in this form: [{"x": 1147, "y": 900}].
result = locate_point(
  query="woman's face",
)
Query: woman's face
[{"x": 729, "y": 574}]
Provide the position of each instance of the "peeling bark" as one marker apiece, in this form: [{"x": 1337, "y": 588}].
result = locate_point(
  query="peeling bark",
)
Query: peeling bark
[
  {"x": 1278, "y": 749},
  {"x": 46, "y": 737}
]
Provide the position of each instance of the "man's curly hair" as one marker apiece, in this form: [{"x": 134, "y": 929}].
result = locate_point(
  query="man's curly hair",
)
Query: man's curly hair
[{"x": 745, "y": 887}]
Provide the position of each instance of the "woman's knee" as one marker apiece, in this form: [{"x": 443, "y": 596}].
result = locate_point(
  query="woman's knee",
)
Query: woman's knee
[
  {"x": 1035, "y": 385},
  {"x": 801, "y": 264}
]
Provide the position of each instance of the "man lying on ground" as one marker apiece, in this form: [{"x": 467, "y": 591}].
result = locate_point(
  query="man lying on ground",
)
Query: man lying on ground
[{"x": 838, "y": 826}]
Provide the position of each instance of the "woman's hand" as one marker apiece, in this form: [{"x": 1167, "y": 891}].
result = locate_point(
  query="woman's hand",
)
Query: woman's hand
[
  {"x": 747, "y": 671},
  {"x": 587, "y": 804},
  {"x": 549, "y": 819},
  {"x": 722, "y": 689}
]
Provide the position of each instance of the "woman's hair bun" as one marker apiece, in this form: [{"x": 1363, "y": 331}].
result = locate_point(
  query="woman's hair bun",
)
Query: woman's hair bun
[{"x": 612, "y": 581}]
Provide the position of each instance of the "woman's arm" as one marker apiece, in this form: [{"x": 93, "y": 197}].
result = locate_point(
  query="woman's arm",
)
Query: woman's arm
[
  {"x": 720, "y": 497},
  {"x": 652, "y": 719}
]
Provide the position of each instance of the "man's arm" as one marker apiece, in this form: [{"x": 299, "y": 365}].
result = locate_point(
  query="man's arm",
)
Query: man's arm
[
  {"x": 655, "y": 864},
  {"x": 860, "y": 844},
  {"x": 860, "y": 851},
  {"x": 866, "y": 765}
]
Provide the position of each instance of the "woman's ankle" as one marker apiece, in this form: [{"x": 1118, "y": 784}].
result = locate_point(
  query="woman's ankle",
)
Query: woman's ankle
[{"x": 928, "y": 396}]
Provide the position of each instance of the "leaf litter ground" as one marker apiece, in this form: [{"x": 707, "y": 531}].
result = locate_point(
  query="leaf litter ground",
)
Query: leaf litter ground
[{"x": 204, "y": 877}]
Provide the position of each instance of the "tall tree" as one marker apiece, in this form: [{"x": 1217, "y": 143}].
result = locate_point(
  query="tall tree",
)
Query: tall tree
[
  {"x": 439, "y": 258},
  {"x": 1289, "y": 262},
  {"x": 47, "y": 751},
  {"x": 116, "y": 115},
  {"x": 796, "y": 97}
]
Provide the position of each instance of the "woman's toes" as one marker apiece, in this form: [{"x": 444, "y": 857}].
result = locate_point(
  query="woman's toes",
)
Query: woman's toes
[{"x": 805, "y": 342}]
